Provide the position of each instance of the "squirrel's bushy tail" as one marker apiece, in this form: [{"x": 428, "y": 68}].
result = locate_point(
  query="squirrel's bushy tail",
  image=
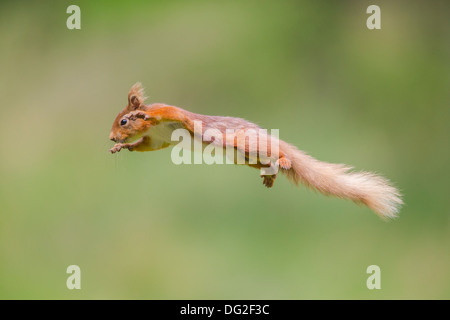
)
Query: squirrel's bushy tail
[{"x": 335, "y": 179}]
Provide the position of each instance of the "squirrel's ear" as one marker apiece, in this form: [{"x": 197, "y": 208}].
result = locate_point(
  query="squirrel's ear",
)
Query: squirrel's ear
[{"x": 136, "y": 96}]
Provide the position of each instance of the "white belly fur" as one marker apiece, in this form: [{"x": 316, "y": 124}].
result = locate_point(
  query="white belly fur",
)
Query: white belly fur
[{"x": 161, "y": 134}]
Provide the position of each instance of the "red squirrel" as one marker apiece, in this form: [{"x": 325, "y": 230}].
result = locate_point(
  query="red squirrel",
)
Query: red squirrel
[{"x": 141, "y": 127}]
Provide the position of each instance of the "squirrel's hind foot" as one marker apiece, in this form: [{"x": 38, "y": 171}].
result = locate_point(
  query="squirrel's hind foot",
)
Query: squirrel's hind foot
[
  {"x": 268, "y": 181},
  {"x": 283, "y": 163}
]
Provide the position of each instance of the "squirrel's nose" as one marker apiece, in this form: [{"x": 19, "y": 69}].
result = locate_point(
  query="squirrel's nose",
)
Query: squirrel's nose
[{"x": 111, "y": 137}]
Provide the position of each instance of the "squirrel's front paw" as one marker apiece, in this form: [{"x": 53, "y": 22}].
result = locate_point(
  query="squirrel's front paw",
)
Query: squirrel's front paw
[{"x": 117, "y": 147}]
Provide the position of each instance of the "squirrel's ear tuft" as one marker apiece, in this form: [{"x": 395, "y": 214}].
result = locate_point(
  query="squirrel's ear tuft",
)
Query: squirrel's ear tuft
[{"x": 136, "y": 96}]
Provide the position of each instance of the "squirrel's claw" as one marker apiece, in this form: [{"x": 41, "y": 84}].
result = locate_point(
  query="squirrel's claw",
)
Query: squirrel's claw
[{"x": 117, "y": 147}]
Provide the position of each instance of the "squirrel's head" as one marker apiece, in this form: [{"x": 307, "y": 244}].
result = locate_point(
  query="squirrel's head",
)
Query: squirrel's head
[{"x": 127, "y": 128}]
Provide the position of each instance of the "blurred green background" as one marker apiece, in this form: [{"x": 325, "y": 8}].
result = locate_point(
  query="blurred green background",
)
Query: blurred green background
[{"x": 142, "y": 227}]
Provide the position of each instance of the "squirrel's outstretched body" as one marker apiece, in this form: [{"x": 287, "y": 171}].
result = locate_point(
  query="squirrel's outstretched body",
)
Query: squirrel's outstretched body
[{"x": 147, "y": 128}]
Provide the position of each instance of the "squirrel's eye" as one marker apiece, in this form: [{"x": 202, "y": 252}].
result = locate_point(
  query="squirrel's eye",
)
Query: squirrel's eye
[{"x": 123, "y": 122}]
